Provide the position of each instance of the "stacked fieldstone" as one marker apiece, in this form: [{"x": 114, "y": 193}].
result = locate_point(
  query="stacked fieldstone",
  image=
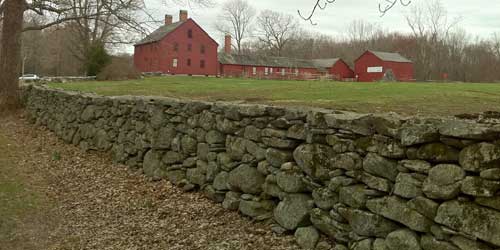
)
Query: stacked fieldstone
[{"x": 366, "y": 181}]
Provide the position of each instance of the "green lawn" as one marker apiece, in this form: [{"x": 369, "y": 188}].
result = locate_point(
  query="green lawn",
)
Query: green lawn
[{"x": 405, "y": 98}]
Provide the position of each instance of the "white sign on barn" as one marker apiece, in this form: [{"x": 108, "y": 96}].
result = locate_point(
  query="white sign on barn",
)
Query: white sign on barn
[{"x": 375, "y": 69}]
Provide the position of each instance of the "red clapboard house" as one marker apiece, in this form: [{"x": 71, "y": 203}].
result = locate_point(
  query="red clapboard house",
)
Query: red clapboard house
[
  {"x": 182, "y": 47},
  {"x": 374, "y": 66},
  {"x": 268, "y": 67}
]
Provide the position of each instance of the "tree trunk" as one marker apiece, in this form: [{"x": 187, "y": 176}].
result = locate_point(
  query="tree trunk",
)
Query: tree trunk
[{"x": 11, "y": 54}]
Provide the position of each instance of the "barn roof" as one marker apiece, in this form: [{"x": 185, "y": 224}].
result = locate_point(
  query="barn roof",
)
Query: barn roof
[
  {"x": 270, "y": 61},
  {"x": 325, "y": 63},
  {"x": 160, "y": 33},
  {"x": 390, "y": 57}
]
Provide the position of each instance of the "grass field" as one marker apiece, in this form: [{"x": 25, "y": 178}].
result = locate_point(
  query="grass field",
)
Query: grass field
[{"x": 404, "y": 98}]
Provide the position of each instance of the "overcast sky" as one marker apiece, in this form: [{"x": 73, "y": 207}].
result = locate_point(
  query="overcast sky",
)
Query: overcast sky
[{"x": 479, "y": 17}]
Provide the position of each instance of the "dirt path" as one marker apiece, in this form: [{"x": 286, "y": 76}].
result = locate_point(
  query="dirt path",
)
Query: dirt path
[{"x": 84, "y": 201}]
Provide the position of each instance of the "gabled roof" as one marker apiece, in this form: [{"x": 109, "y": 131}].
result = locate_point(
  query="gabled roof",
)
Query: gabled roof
[
  {"x": 164, "y": 30},
  {"x": 160, "y": 33},
  {"x": 325, "y": 63},
  {"x": 390, "y": 57},
  {"x": 272, "y": 61}
]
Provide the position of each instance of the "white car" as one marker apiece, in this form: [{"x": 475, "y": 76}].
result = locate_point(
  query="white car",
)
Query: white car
[{"x": 29, "y": 77}]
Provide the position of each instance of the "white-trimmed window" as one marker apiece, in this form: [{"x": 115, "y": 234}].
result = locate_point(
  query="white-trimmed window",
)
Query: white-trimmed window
[
  {"x": 266, "y": 71},
  {"x": 271, "y": 71},
  {"x": 283, "y": 71},
  {"x": 254, "y": 70},
  {"x": 296, "y": 72},
  {"x": 175, "y": 62}
]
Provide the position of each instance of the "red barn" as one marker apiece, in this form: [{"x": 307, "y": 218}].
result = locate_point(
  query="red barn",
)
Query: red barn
[
  {"x": 268, "y": 67},
  {"x": 373, "y": 66},
  {"x": 182, "y": 47}
]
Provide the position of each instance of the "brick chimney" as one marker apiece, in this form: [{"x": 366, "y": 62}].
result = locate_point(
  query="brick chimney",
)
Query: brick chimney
[
  {"x": 183, "y": 15},
  {"x": 168, "y": 19},
  {"x": 227, "y": 44}
]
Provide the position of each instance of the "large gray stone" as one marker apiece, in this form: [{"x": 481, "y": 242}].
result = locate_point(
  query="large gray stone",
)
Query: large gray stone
[
  {"x": 424, "y": 206},
  {"x": 479, "y": 157},
  {"x": 467, "y": 244},
  {"x": 327, "y": 225},
  {"x": 215, "y": 137},
  {"x": 236, "y": 147},
  {"x": 492, "y": 202},
  {"x": 407, "y": 186},
  {"x": 152, "y": 166},
  {"x": 324, "y": 198},
  {"x": 277, "y": 157},
  {"x": 377, "y": 183},
  {"x": 347, "y": 161},
  {"x": 403, "y": 239},
  {"x": 231, "y": 201},
  {"x": 307, "y": 237},
  {"x": 380, "y": 166},
  {"x": 417, "y": 133},
  {"x": 259, "y": 210},
  {"x": 365, "y": 244},
  {"x": 471, "y": 219},
  {"x": 290, "y": 181},
  {"x": 477, "y": 186},
  {"x": 221, "y": 181},
  {"x": 368, "y": 224},
  {"x": 314, "y": 159},
  {"x": 443, "y": 182},
  {"x": 197, "y": 175},
  {"x": 430, "y": 243},
  {"x": 353, "y": 196},
  {"x": 293, "y": 211},
  {"x": 438, "y": 152},
  {"x": 189, "y": 145},
  {"x": 246, "y": 179},
  {"x": 396, "y": 209},
  {"x": 418, "y": 166},
  {"x": 491, "y": 174},
  {"x": 357, "y": 123},
  {"x": 467, "y": 130},
  {"x": 162, "y": 139}
]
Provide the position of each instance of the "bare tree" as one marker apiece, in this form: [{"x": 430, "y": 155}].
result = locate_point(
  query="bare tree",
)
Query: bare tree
[
  {"x": 236, "y": 19},
  {"x": 276, "y": 30}
]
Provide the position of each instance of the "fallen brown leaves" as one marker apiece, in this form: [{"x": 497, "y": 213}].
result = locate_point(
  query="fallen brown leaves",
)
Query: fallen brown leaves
[{"x": 101, "y": 205}]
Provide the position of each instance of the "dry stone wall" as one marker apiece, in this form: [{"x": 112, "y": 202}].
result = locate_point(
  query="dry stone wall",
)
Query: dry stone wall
[{"x": 365, "y": 181}]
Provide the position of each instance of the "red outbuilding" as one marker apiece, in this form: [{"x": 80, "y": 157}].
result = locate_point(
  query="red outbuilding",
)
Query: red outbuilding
[
  {"x": 269, "y": 67},
  {"x": 182, "y": 47},
  {"x": 374, "y": 66}
]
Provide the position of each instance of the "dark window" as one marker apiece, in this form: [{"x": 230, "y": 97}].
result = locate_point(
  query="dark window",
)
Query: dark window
[
  {"x": 202, "y": 49},
  {"x": 202, "y": 64},
  {"x": 190, "y": 47},
  {"x": 190, "y": 33},
  {"x": 189, "y": 62},
  {"x": 176, "y": 47}
]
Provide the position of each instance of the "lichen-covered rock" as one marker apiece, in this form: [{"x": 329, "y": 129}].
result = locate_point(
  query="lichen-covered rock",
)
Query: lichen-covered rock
[
  {"x": 277, "y": 157},
  {"x": 365, "y": 244},
  {"x": 380, "y": 166},
  {"x": 396, "y": 209},
  {"x": 438, "y": 152},
  {"x": 215, "y": 137},
  {"x": 259, "y": 210},
  {"x": 246, "y": 179},
  {"x": 176, "y": 176},
  {"x": 353, "y": 196},
  {"x": 407, "y": 186},
  {"x": 368, "y": 224},
  {"x": 314, "y": 159},
  {"x": 376, "y": 183},
  {"x": 467, "y": 130},
  {"x": 293, "y": 211},
  {"x": 324, "y": 198},
  {"x": 418, "y": 166},
  {"x": 403, "y": 239},
  {"x": 236, "y": 147},
  {"x": 163, "y": 138},
  {"x": 491, "y": 202},
  {"x": 197, "y": 175},
  {"x": 471, "y": 219},
  {"x": 189, "y": 145},
  {"x": 467, "y": 244},
  {"x": 232, "y": 201},
  {"x": 384, "y": 146},
  {"x": 479, "y": 157},
  {"x": 221, "y": 181},
  {"x": 413, "y": 133},
  {"x": 172, "y": 157},
  {"x": 477, "y": 186},
  {"x": 491, "y": 174},
  {"x": 443, "y": 182},
  {"x": 348, "y": 161},
  {"x": 379, "y": 244},
  {"x": 153, "y": 166},
  {"x": 290, "y": 181},
  {"x": 307, "y": 237},
  {"x": 424, "y": 206},
  {"x": 430, "y": 243},
  {"x": 297, "y": 132},
  {"x": 327, "y": 225}
]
